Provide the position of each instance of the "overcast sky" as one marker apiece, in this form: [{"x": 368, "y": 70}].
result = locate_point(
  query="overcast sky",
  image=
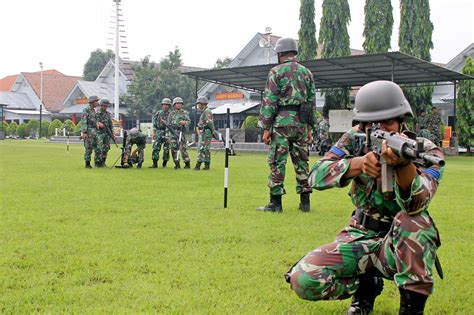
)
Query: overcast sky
[{"x": 63, "y": 33}]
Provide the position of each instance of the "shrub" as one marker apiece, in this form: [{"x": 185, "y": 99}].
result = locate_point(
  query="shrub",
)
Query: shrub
[
  {"x": 32, "y": 127},
  {"x": 69, "y": 125},
  {"x": 13, "y": 128},
  {"x": 250, "y": 122},
  {"x": 54, "y": 124},
  {"x": 77, "y": 129},
  {"x": 22, "y": 130},
  {"x": 44, "y": 128}
]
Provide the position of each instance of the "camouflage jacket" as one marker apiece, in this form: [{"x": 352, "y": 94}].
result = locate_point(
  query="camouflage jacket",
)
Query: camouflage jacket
[
  {"x": 365, "y": 191},
  {"x": 323, "y": 129},
  {"x": 106, "y": 119},
  {"x": 206, "y": 120},
  {"x": 288, "y": 84},
  {"x": 88, "y": 119},
  {"x": 176, "y": 116},
  {"x": 139, "y": 140},
  {"x": 159, "y": 120}
]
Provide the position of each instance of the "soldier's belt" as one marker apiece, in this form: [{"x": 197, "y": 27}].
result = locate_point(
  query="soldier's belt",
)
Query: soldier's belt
[
  {"x": 372, "y": 224},
  {"x": 294, "y": 108}
]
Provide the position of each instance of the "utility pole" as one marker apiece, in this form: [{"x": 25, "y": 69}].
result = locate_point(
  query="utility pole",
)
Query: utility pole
[
  {"x": 41, "y": 99},
  {"x": 117, "y": 60}
]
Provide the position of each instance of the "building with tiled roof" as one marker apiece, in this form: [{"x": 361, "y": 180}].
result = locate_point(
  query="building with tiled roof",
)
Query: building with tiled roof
[{"x": 7, "y": 82}]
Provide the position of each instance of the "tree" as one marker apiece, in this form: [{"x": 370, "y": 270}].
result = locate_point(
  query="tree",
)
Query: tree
[
  {"x": 465, "y": 108},
  {"x": 69, "y": 125},
  {"x": 378, "y": 26},
  {"x": 143, "y": 94},
  {"x": 224, "y": 63},
  {"x": 334, "y": 37},
  {"x": 44, "y": 128},
  {"x": 22, "y": 130},
  {"x": 250, "y": 122},
  {"x": 415, "y": 40},
  {"x": 53, "y": 125},
  {"x": 307, "y": 44},
  {"x": 32, "y": 127},
  {"x": 96, "y": 62},
  {"x": 172, "y": 82}
]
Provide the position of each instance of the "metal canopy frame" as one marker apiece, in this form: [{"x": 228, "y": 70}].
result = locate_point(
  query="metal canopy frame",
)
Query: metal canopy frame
[{"x": 341, "y": 72}]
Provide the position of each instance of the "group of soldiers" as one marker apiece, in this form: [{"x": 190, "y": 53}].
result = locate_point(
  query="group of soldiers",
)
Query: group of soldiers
[
  {"x": 390, "y": 235},
  {"x": 321, "y": 141},
  {"x": 168, "y": 135}
]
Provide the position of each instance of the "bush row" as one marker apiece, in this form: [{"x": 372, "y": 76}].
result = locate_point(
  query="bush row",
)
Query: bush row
[{"x": 31, "y": 128}]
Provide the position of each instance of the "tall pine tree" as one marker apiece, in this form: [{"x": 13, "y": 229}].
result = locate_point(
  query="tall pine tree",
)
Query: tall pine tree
[
  {"x": 335, "y": 40},
  {"x": 465, "y": 108},
  {"x": 378, "y": 26},
  {"x": 415, "y": 40},
  {"x": 307, "y": 44}
]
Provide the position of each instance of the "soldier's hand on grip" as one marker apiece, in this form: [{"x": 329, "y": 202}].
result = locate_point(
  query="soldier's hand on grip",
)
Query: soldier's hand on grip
[
  {"x": 371, "y": 165},
  {"x": 267, "y": 137}
]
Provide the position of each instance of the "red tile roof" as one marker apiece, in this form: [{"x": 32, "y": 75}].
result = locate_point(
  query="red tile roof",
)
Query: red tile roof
[
  {"x": 56, "y": 87},
  {"x": 7, "y": 82}
]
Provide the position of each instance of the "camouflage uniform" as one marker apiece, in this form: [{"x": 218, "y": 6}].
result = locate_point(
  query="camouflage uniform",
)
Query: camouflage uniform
[
  {"x": 434, "y": 127},
  {"x": 174, "y": 122},
  {"x": 89, "y": 126},
  {"x": 103, "y": 138},
  {"x": 159, "y": 129},
  {"x": 140, "y": 141},
  {"x": 403, "y": 250},
  {"x": 289, "y": 84},
  {"x": 323, "y": 134},
  {"x": 206, "y": 127}
]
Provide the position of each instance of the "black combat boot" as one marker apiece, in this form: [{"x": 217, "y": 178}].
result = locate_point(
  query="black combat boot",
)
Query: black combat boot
[
  {"x": 207, "y": 166},
  {"x": 412, "y": 303},
  {"x": 139, "y": 165},
  {"x": 164, "y": 163},
  {"x": 88, "y": 164},
  {"x": 177, "y": 165},
  {"x": 198, "y": 166},
  {"x": 155, "y": 164},
  {"x": 274, "y": 205},
  {"x": 304, "y": 202},
  {"x": 187, "y": 164},
  {"x": 364, "y": 298}
]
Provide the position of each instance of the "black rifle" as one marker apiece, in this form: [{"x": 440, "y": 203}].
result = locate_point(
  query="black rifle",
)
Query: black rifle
[
  {"x": 124, "y": 141},
  {"x": 409, "y": 149},
  {"x": 111, "y": 135}
]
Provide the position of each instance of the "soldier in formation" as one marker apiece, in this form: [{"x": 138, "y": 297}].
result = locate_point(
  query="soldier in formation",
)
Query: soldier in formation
[
  {"x": 177, "y": 122},
  {"x": 435, "y": 126},
  {"x": 390, "y": 235},
  {"x": 205, "y": 129},
  {"x": 137, "y": 156},
  {"x": 104, "y": 132},
  {"x": 289, "y": 86},
  {"x": 323, "y": 135},
  {"x": 89, "y": 130},
  {"x": 159, "y": 122}
]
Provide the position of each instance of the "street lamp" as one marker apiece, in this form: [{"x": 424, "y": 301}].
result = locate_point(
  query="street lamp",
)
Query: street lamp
[{"x": 41, "y": 98}]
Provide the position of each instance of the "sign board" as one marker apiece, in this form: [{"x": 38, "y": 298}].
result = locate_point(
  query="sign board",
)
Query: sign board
[
  {"x": 117, "y": 127},
  {"x": 229, "y": 96},
  {"x": 340, "y": 120},
  {"x": 83, "y": 100}
]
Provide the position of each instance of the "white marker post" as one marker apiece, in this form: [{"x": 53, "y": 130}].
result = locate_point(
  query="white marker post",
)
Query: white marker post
[{"x": 226, "y": 170}]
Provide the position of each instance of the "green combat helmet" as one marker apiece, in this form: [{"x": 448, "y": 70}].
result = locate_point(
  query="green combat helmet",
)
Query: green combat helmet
[
  {"x": 93, "y": 98},
  {"x": 104, "y": 101},
  {"x": 166, "y": 101},
  {"x": 380, "y": 100},
  {"x": 286, "y": 44},
  {"x": 134, "y": 132},
  {"x": 177, "y": 100},
  {"x": 202, "y": 100}
]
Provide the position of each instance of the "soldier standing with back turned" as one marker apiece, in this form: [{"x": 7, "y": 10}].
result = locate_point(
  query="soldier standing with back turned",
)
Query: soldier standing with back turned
[
  {"x": 205, "y": 129},
  {"x": 290, "y": 86},
  {"x": 89, "y": 130},
  {"x": 159, "y": 133}
]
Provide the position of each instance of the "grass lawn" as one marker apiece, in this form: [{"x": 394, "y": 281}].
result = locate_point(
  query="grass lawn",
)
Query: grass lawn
[{"x": 75, "y": 240}]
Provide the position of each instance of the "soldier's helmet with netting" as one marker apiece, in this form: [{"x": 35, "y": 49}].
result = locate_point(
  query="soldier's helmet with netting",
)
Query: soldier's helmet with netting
[
  {"x": 177, "y": 100},
  {"x": 380, "y": 100},
  {"x": 93, "y": 98},
  {"x": 134, "y": 132},
  {"x": 104, "y": 102},
  {"x": 202, "y": 100},
  {"x": 286, "y": 44},
  {"x": 166, "y": 101}
]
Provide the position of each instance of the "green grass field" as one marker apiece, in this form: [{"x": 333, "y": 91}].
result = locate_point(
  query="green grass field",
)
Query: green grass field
[{"x": 158, "y": 240}]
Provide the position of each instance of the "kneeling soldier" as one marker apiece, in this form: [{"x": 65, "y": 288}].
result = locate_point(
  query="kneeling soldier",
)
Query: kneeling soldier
[{"x": 136, "y": 137}]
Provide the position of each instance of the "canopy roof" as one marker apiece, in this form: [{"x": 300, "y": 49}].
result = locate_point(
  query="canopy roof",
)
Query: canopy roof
[{"x": 341, "y": 72}]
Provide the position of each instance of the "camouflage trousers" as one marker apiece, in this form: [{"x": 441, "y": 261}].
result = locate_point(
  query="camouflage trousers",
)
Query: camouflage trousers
[
  {"x": 135, "y": 157},
  {"x": 182, "y": 147},
  {"x": 160, "y": 142},
  {"x": 90, "y": 143},
  {"x": 405, "y": 255},
  {"x": 292, "y": 140},
  {"x": 204, "y": 147},
  {"x": 103, "y": 148}
]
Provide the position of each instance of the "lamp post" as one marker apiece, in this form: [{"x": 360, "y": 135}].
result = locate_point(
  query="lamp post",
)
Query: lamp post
[{"x": 41, "y": 98}]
